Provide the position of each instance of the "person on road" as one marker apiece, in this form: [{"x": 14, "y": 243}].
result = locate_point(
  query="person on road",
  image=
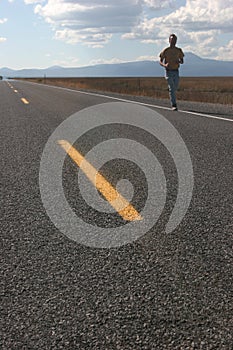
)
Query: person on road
[{"x": 170, "y": 59}]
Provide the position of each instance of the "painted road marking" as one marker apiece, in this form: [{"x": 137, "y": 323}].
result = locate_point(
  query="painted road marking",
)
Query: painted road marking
[
  {"x": 24, "y": 101},
  {"x": 139, "y": 103},
  {"x": 154, "y": 106},
  {"x": 117, "y": 201},
  {"x": 136, "y": 102}
]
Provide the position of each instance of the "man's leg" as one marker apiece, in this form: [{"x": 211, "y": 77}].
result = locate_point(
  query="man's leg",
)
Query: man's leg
[
  {"x": 171, "y": 87},
  {"x": 176, "y": 79}
]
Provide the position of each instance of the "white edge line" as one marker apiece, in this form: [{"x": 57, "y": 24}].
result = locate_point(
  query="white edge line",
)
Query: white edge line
[
  {"x": 136, "y": 102},
  {"x": 206, "y": 115}
]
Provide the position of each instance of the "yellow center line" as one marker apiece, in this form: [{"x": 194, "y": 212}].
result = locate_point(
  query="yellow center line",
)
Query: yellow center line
[
  {"x": 24, "y": 101},
  {"x": 117, "y": 201}
]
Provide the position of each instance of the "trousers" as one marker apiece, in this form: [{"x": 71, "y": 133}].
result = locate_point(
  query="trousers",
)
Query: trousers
[{"x": 172, "y": 77}]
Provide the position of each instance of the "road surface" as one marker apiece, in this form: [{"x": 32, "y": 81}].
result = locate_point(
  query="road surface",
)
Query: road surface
[{"x": 161, "y": 291}]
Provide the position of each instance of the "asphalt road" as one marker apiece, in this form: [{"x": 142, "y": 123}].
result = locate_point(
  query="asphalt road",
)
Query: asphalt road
[{"x": 162, "y": 291}]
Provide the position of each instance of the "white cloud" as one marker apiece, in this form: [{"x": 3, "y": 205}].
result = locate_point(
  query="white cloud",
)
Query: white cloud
[
  {"x": 3, "y": 20},
  {"x": 226, "y": 52},
  {"x": 90, "y": 39},
  {"x": 203, "y": 15},
  {"x": 146, "y": 58},
  {"x": 31, "y": 2},
  {"x": 198, "y": 24},
  {"x": 90, "y": 22},
  {"x": 67, "y": 62},
  {"x": 118, "y": 60},
  {"x": 158, "y": 4},
  {"x": 106, "y": 61},
  {"x": 196, "y": 15}
]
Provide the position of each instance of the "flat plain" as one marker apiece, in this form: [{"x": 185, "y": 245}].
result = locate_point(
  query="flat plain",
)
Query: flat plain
[{"x": 197, "y": 89}]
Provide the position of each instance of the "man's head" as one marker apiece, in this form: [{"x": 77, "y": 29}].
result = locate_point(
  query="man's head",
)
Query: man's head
[{"x": 172, "y": 39}]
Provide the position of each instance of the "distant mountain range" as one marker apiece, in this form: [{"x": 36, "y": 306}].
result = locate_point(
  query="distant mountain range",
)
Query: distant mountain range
[{"x": 194, "y": 66}]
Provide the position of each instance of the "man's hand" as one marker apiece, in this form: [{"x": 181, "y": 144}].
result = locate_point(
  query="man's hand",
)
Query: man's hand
[{"x": 165, "y": 65}]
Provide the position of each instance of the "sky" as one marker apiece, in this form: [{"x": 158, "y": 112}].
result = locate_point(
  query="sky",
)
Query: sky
[{"x": 74, "y": 33}]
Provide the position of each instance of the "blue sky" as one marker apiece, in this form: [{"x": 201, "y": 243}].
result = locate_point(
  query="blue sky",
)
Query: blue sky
[{"x": 43, "y": 33}]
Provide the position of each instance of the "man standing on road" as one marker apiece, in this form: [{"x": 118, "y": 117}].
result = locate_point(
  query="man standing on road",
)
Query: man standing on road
[{"x": 170, "y": 59}]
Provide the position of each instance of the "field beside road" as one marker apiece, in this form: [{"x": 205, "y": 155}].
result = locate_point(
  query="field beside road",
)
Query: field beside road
[{"x": 199, "y": 89}]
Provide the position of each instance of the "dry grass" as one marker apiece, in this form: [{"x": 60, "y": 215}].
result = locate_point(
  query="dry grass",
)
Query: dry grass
[{"x": 203, "y": 89}]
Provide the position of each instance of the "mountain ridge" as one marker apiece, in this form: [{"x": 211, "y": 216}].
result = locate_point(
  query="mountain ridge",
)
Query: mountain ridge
[{"x": 193, "y": 66}]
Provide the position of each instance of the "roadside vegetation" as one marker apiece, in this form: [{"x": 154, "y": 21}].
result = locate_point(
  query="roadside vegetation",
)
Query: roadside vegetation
[{"x": 203, "y": 89}]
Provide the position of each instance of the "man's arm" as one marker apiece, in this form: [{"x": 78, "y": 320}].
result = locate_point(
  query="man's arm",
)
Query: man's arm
[
  {"x": 181, "y": 60},
  {"x": 161, "y": 62}
]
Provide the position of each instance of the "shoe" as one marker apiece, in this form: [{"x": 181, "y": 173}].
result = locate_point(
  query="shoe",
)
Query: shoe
[{"x": 174, "y": 108}]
